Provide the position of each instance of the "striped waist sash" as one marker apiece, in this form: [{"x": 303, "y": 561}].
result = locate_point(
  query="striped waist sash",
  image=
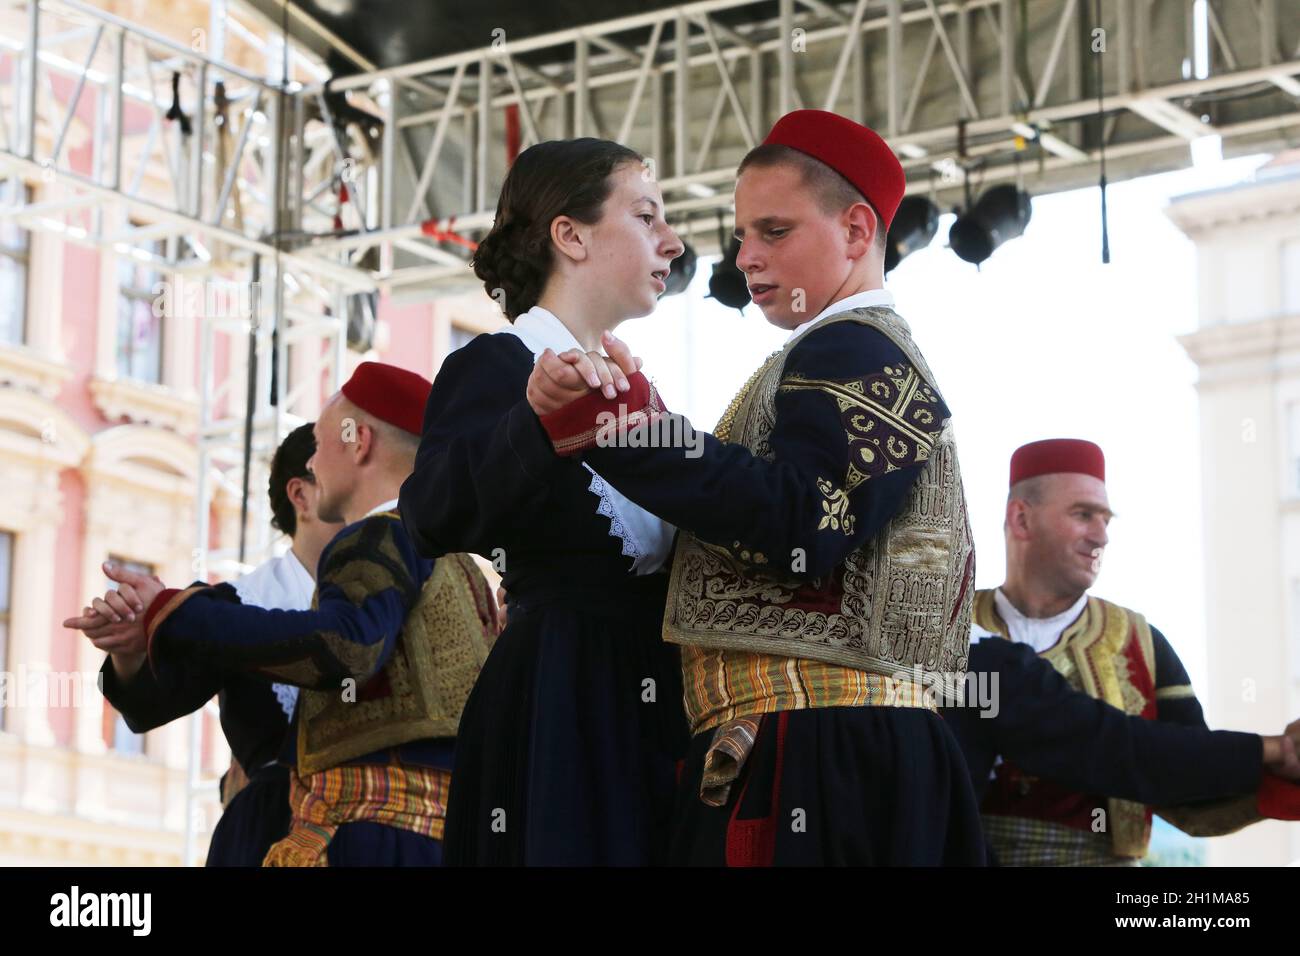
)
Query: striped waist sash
[
  {"x": 408, "y": 798},
  {"x": 1023, "y": 841},
  {"x": 733, "y": 739}
]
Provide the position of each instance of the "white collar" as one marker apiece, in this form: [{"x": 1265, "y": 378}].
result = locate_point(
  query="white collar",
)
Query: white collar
[
  {"x": 386, "y": 506},
  {"x": 279, "y": 583},
  {"x": 1040, "y": 633},
  {"x": 294, "y": 562},
  {"x": 859, "y": 300},
  {"x": 540, "y": 329}
]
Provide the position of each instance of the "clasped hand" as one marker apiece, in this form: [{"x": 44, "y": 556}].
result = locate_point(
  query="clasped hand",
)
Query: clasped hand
[
  {"x": 557, "y": 380},
  {"x": 115, "y": 622}
]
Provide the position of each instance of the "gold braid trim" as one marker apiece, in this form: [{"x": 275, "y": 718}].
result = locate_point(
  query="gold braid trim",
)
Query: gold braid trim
[
  {"x": 722, "y": 432},
  {"x": 1216, "y": 818},
  {"x": 442, "y": 645}
]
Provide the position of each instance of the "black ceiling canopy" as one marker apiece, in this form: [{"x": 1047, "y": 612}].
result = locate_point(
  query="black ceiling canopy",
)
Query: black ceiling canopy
[{"x": 389, "y": 33}]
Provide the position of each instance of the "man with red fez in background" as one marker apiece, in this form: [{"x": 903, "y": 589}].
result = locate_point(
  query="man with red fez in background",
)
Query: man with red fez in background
[
  {"x": 824, "y": 553},
  {"x": 385, "y": 658},
  {"x": 1056, "y": 531}
]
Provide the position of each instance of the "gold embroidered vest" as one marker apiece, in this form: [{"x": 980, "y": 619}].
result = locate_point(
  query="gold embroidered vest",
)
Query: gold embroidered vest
[
  {"x": 902, "y": 601},
  {"x": 421, "y": 691},
  {"x": 1108, "y": 654}
]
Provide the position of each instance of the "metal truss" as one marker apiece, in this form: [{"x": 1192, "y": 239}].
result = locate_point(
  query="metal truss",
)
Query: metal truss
[
  {"x": 208, "y": 205},
  {"x": 960, "y": 89}
]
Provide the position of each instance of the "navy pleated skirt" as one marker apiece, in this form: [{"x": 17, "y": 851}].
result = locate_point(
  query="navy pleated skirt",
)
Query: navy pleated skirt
[
  {"x": 373, "y": 844},
  {"x": 567, "y": 749},
  {"x": 836, "y": 786},
  {"x": 257, "y": 817}
]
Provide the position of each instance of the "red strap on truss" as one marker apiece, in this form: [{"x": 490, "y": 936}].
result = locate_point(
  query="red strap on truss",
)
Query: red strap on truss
[{"x": 431, "y": 229}]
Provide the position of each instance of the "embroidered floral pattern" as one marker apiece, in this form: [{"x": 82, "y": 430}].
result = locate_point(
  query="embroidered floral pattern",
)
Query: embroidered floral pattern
[
  {"x": 901, "y": 599},
  {"x": 835, "y": 509},
  {"x": 891, "y": 419}
]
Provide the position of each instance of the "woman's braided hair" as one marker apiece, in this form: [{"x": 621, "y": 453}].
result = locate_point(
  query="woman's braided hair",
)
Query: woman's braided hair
[{"x": 567, "y": 177}]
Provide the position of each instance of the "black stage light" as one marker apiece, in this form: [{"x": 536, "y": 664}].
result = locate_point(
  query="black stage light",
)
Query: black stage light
[
  {"x": 999, "y": 215},
  {"x": 914, "y": 225},
  {"x": 728, "y": 284}
]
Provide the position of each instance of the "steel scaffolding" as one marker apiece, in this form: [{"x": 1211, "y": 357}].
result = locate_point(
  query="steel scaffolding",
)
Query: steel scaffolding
[{"x": 958, "y": 89}]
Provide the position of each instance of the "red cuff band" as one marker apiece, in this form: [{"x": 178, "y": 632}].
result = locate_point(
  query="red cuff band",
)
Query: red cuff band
[
  {"x": 573, "y": 429},
  {"x": 156, "y": 605},
  {"x": 1277, "y": 799}
]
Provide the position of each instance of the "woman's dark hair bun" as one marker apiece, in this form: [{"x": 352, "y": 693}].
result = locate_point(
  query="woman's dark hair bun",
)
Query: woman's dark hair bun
[{"x": 513, "y": 267}]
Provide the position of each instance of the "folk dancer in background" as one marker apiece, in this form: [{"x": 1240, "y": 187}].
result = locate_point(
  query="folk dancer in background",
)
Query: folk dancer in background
[
  {"x": 1056, "y": 531},
  {"x": 385, "y": 658},
  {"x": 255, "y": 714}
]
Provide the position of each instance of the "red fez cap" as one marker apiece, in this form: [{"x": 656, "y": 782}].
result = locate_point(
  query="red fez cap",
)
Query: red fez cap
[
  {"x": 855, "y": 152},
  {"x": 391, "y": 394},
  {"x": 1054, "y": 455}
]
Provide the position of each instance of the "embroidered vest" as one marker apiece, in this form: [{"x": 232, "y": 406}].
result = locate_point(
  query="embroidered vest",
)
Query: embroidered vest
[
  {"x": 421, "y": 691},
  {"x": 902, "y": 601},
  {"x": 1107, "y": 653}
]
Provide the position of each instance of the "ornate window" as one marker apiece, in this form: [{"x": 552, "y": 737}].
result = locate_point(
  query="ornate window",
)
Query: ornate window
[
  {"x": 1291, "y": 488},
  {"x": 6, "y": 575},
  {"x": 1291, "y": 277},
  {"x": 15, "y": 257},
  {"x": 139, "y": 329}
]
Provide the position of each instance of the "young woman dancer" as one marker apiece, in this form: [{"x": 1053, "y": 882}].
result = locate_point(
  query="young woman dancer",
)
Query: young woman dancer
[{"x": 567, "y": 747}]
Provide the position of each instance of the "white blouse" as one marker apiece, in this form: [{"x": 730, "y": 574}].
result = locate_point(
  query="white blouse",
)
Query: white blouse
[{"x": 281, "y": 584}]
